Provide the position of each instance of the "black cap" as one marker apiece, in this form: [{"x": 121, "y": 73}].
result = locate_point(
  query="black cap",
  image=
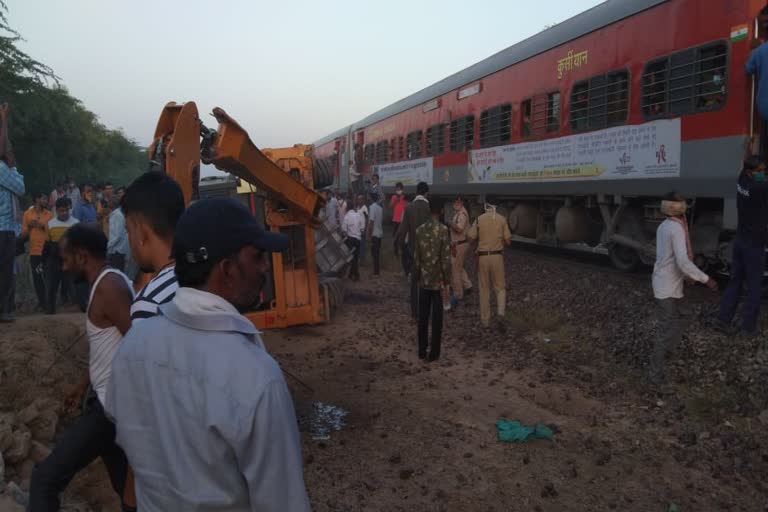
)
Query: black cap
[{"x": 212, "y": 229}]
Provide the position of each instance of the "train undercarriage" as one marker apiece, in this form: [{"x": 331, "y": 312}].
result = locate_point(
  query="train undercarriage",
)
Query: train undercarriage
[{"x": 620, "y": 227}]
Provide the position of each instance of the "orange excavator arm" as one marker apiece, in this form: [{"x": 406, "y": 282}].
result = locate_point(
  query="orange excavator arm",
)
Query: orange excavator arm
[{"x": 182, "y": 141}]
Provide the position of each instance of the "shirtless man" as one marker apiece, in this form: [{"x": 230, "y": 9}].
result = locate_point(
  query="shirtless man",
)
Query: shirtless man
[{"x": 83, "y": 251}]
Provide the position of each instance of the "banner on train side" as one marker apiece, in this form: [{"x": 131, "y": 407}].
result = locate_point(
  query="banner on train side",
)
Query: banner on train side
[
  {"x": 649, "y": 150},
  {"x": 408, "y": 173}
]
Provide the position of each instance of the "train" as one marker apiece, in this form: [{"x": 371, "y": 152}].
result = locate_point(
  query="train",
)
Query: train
[{"x": 577, "y": 132}]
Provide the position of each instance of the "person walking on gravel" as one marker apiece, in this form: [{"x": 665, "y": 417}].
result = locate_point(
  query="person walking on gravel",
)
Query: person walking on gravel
[
  {"x": 748, "y": 261},
  {"x": 432, "y": 266},
  {"x": 674, "y": 264},
  {"x": 415, "y": 214},
  {"x": 492, "y": 234}
]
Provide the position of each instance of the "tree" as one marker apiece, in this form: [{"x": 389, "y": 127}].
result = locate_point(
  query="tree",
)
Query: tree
[{"x": 53, "y": 134}]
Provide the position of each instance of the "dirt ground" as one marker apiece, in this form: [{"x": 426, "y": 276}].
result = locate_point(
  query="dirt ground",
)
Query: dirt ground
[{"x": 422, "y": 436}]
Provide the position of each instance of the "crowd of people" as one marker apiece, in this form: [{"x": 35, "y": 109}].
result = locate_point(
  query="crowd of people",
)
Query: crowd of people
[
  {"x": 182, "y": 401},
  {"x": 175, "y": 371},
  {"x": 432, "y": 250},
  {"x": 40, "y": 227}
]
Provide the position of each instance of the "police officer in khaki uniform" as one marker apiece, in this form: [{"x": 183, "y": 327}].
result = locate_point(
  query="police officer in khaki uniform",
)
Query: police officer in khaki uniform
[
  {"x": 459, "y": 226},
  {"x": 492, "y": 234}
]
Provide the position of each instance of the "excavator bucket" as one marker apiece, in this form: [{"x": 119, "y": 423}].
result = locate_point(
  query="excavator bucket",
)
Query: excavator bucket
[{"x": 232, "y": 150}]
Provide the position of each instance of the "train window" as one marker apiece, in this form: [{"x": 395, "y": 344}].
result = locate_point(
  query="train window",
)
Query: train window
[
  {"x": 617, "y": 91},
  {"x": 392, "y": 151},
  {"x": 496, "y": 125},
  {"x": 369, "y": 153},
  {"x": 553, "y": 111},
  {"x": 580, "y": 105},
  {"x": 693, "y": 80},
  {"x": 435, "y": 139},
  {"x": 401, "y": 148},
  {"x": 525, "y": 118},
  {"x": 462, "y": 133},
  {"x": 414, "y": 145},
  {"x": 382, "y": 152},
  {"x": 601, "y": 101}
]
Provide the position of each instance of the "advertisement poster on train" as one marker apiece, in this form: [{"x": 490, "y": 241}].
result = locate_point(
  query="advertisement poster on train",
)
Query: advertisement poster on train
[
  {"x": 408, "y": 173},
  {"x": 649, "y": 150}
]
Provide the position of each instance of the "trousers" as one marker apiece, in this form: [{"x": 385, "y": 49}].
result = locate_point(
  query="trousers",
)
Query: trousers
[
  {"x": 670, "y": 332},
  {"x": 376, "y": 254},
  {"x": 459, "y": 278},
  {"x": 430, "y": 305},
  {"x": 414, "y": 296},
  {"x": 354, "y": 246},
  {"x": 7, "y": 258},
  {"x": 91, "y": 435},
  {"x": 38, "y": 279},
  {"x": 747, "y": 267},
  {"x": 491, "y": 275}
]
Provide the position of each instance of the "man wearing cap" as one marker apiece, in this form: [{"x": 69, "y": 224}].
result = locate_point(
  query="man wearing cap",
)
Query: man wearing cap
[
  {"x": 201, "y": 409},
  {"x": 492, "y": 233}
]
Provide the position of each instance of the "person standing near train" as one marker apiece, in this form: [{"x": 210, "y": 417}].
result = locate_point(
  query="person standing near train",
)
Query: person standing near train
[
  {"x": 748, "y": 260},
  {"x": 674, "y": 264},
  {"x": 460, "y": 281},
  {"x": 492, "y": 234}
]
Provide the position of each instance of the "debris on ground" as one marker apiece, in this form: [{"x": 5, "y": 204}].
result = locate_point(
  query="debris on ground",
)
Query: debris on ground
[
  {"x": 324, "y": 419},
  {"x": 509, "y": 430}
]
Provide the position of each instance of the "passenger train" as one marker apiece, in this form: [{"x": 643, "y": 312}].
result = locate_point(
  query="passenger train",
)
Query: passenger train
[{"x": 577, "y": 132}]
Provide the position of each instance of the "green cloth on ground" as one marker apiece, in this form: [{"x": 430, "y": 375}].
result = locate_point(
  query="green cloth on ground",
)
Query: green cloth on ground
[{"x": 516, "y": 431}]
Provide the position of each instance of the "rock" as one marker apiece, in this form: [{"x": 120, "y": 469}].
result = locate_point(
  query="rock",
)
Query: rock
[
  {"x": 395, "y": 459},
  {"x": 20, "y": 445},
  {"x": 29, "y": 413},
  {"x": 43, "y": 427},
  {"x": 24, "y": 470},
  {"x": 8, "y": 504},
  {"x": 6, "y": 435},
  {"x": 38, "y": 451},
  {"x": 19, "y": 496},
  {"x": 405, "y": 474}
]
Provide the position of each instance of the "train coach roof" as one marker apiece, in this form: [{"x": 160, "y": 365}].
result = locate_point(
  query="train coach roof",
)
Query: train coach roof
[{"x": 588, "y": 21}]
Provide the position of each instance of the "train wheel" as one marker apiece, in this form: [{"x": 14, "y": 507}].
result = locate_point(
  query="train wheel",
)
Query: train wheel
[{"x": 624, "y": 258}]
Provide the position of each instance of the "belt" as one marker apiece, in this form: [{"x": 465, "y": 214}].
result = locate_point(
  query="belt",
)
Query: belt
[
  {"x": 460, "y": 242},
  {"x": 489, "y": 253}
]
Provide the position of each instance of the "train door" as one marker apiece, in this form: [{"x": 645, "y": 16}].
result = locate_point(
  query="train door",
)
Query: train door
[{"x": 342, "y": 162}]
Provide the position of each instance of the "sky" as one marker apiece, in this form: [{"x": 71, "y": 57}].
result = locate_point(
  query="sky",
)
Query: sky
[{"x": 288, "y": 71}]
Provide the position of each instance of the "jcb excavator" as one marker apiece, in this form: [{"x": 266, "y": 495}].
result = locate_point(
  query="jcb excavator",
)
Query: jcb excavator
[{"x": 286, "y": 203}]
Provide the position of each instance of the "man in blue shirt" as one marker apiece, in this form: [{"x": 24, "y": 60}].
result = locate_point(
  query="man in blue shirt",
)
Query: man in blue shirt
[
  {"x": 11, "y": 186},
  {"x": 757, "y": 65},
  {"x": 85, "y": 210}
]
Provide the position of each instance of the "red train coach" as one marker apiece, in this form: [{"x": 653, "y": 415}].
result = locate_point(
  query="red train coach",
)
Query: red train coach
[{"x": 579, "y": 130}]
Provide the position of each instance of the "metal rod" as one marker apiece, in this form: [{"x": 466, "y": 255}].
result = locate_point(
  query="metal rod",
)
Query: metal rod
[
  {"x": 58, "y": 356},
  {"x": 296, "y": 378}
]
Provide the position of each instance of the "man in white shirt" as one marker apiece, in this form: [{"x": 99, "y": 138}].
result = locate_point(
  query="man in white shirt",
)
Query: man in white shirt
[
  {"x": 353, "y": 226},
  {"x": 362, "y": 208},
  {"x": 376, "y": 231},
  {"x": 673, "y": 265},
  {"x": 201, "y": 409}
]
